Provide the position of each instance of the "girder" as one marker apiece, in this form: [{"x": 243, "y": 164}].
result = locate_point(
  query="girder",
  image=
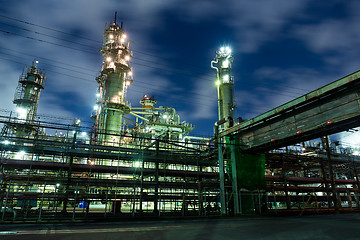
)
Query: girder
[{"x": 330, "y": 109}]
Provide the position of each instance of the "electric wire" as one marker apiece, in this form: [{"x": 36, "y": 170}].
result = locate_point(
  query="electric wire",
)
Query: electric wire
[
  {"x": 92, "y": 75},
  {"x": 96, "y": 41},
  {"x": 139, "y": 59},
  {"x": 148, "y": 54},
  {"x": 82, "y": 50},
  {"x": 133, "y": 90},
  {"x": 46, "y": 35},
  {"x": 87, "y": 46},
  {"x": 148, "y": 88},
  {"x": 135, "y": 63}
]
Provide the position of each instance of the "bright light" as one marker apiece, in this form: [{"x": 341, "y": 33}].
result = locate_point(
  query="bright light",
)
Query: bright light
[
  {"x": 228, "y": 50},
  {"x": 77, "y": 122},
  {"x": 217, "y": 83},
  {"x": 111, "y": 36},
  {"x": 6, "y": 142},
  {"x": 96, "y": 107},
  {"x": 127, "y": 83},
  {"x": 127, "y": 57},
  {"x": 130, "y": 73},
  {"x": 222, "y": 49},
  {"x": 108, "y": 59},
  {"x": 357, "y": 153},
  {"x": 353, "y": 139},
  {"x": 36, "y": 61},
  {"x": 98, "y": 95},
  {"x": 115, "y": 99},
  {"x": 165, "y": 116},
  {"x": 22, "y": 112},
  {"x": 20, "y": 155},
  {"x": 226, "y": 78},
  {"x": 83, "y": 134},
  {"x": 137, "y": 164},
  {"x": 225, "y": 63},
  {"x": 124, "y": 36},
  {"x": 58, "y": 185},
  {"x": 122, "y": 40}
]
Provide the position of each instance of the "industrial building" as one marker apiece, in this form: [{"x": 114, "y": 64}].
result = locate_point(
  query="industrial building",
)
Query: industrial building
[{"x": 143, "y": 161}]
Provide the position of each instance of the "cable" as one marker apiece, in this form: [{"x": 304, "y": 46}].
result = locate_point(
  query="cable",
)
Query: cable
[
  {"x": 48, "y": 59},
  {"x": 40, "y": 40},
  {"x": 49, "y": 64},
  {"x": 87, "y": 46},
  {"x": 87, "y": 80},
  {"x": 181, "y": 72},
  {"x": 46, "y": 35},
  {"x": 85, "y": 38},
  {"x": 132, "y": 90},
  {"x": 161, "y": 88},
  {"x": 47, "y": 28}
]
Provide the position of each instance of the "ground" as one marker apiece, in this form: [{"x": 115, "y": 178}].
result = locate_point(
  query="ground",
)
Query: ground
[{"x": 344, "y": 226}]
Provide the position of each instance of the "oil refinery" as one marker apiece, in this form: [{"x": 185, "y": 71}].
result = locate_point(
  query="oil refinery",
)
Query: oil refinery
[{"x": 143, "y": 161}]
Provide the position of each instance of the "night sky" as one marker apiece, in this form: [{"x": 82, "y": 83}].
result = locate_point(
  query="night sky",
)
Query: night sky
[{"x": 282, "y": 49}]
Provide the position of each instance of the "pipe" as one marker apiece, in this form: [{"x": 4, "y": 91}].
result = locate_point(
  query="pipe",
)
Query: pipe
[
  {"x": 142, "y": 113},
  {"x": 212, "y": 66},
  {"x": 221, "y": 122},
  {"x": 138, "y": 116},
  {"x": 221, "y": 162},
  {"x": 197, "y": 138}
]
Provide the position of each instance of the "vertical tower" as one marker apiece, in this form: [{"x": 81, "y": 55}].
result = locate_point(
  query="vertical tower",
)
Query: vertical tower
[
  {"x": 115, "y": 77},
  {"x": 224, "y": 82},
  {"x": 26, "y": 99}
]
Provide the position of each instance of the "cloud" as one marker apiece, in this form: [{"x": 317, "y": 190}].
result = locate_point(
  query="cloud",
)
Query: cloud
[
  {"x": 251, "y": 24},
  {"x": 289, "y": 83},
  {"x": 257, "y": 22},
  {"x": 204, "y": 101},
  {"x": 8, "y": 83},
  {"x": 334, "y": 38},
  {"x": 330, "y": 35}
]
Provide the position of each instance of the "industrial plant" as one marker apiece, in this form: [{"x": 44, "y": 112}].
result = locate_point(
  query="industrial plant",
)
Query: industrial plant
[{"x": 141, "y": 160}]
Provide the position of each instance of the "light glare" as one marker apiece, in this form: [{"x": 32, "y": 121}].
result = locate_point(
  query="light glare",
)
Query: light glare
[{"x": 22, "y": 112}]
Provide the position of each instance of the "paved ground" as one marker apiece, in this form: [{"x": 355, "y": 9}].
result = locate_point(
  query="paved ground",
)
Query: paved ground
[{"x": 345, "y": 226}]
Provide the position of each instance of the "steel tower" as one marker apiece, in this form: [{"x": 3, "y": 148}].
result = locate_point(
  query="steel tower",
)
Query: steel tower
[
  {"x": 115, "y": 77},
  {"x": 26, "y": 99},
  {"x": 224, "y": 82}
]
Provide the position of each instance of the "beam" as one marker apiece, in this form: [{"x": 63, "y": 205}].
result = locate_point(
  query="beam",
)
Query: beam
[{"x": 330, "y": 109}]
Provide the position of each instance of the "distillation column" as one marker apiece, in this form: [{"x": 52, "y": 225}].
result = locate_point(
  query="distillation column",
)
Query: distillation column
[
  {"x": 26, "y": 99},
  {"x": 115, "y": 77},
  {"x": 224, "y": 83}
]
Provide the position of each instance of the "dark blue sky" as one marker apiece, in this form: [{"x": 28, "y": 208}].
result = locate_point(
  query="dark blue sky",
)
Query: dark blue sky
[{"x": 282, "y": 49}]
